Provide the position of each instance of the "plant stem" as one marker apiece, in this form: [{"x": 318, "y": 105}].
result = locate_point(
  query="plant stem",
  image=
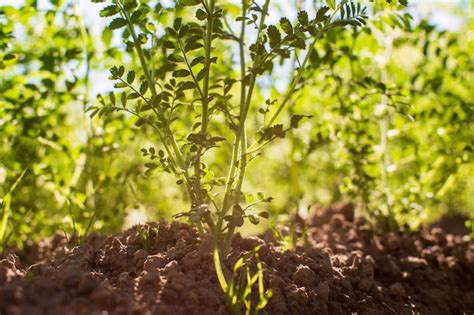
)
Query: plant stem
[
  {"x": 243, "y": 138},
  {"x": 243, "y": 144},
  {"x": 208, "y": 48},
  {"x": 205, "y": 97},
  {"x": 243, "y": 116}
]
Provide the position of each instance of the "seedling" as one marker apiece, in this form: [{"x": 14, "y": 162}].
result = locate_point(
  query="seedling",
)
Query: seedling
[
  {"x": 238, "y": 290},
  {"x": 289, "y": 236},
  {"x": 148, "y": 235},
  {"x": 79, "y": 231}
]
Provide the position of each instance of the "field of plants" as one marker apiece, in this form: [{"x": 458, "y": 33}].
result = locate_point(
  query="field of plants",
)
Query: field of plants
[{"x": 236, "y": 157}]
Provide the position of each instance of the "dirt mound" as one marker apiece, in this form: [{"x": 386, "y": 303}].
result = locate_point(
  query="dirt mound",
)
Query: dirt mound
[{"x": 165, "y": 268}]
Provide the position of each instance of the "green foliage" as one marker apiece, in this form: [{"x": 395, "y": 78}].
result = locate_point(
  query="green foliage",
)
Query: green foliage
[
  {"x": 44, "y": 128},
  {"x": 375, "y": 110},
  {"x": 189, "y": 84},
  {"x": 239, "y": 288},
  {"x": 383, "y": 99}
]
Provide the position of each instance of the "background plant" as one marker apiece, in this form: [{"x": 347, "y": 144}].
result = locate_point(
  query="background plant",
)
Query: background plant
[
  {"x": 373, "y": 104},
  {"x": 44, "y": 88}
]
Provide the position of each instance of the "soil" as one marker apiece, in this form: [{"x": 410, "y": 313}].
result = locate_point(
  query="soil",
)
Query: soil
[{"x": 165, "y": 268}]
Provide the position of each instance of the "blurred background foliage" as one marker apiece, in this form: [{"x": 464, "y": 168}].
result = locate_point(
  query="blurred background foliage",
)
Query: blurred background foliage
[{"x": 391, "y": 128}]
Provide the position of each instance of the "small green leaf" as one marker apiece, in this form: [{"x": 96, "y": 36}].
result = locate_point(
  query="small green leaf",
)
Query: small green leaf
[
  {"x": 123, "y": 98},
  {"x": 254, "y": 219},
  {"x": 238, "y": 264},
  {"x": 274, "y": 36},
  {"x": 286, "y": 26},
  {"x": 131, "y": 76},
  {"x": 188, "y": 85},
  {"x": 249, "y": 198},
  {"x": 295, "y": 119},
  {"x": 201, "y": 15},
  {"x": 264, "y": 214},
  {"x": 321, "y": 14},
  {"x": 303, "y": 18},
  {"x": 175, "y": 58},
  {"x": 197, "y": 60},
  {"x": 143, "y": 87},
  {"x": 137, "y": 15},
  {"x": 133, "y": 96},
  {"x": 109, "y": 10},
  {"x": 381, "y": 86},
  {"x": 177, "y": 23},
  {"x": 70, "y": 85},
  {"x": 9, "y": 57},
  {"x": 130, "y": 4},
  {"x": 201, "y": 74},
  {"x": 181, "y": 73},
  {"x": 192, "y": 46},
  {"x": 112, "y": 98},
  {"x": 120, "y": 85},
  {"x": 121, "y": 71},
  {"x": 140, "y": 122},
  {"x": 151, "y": 165},
  {"x": 298, "y": 43},
  {"x": 169, "y": 44},
  {"x": 117, "y": 23},
  {"x": 238, "y": 221}
]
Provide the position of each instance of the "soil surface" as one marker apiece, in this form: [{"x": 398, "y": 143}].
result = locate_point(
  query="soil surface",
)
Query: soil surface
[{"x": 165, "y": 268}]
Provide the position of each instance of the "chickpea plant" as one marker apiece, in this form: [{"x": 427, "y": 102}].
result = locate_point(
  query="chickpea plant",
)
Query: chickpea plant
[{"x": 185, "y": 79}]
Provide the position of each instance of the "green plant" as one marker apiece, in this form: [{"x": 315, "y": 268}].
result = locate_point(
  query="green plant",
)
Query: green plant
[
  {"x": 289, "y": 236},
  {"x": 5, "y": 203},
  {"x": 380, "y": 93},
  {"x": 184, "y": 79},
  {"x": 239, "y": 288},
  {"x": 80, "y": 229},
  {"x": 49, "y": 60},
  {"x": 148, "y": 235}
]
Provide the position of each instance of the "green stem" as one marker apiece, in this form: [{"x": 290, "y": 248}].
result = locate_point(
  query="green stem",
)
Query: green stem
[
  {"x": 205, "y": 96},
  {"x": 243, "y": 144},
  {"x": 243, "y": 138},
  {"x": 243, "y": 115},
  {"x": 208, "y": 48}
]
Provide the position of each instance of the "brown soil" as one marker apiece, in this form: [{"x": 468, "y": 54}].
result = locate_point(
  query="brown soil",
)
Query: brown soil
[{"x": 345, "y": 268}]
